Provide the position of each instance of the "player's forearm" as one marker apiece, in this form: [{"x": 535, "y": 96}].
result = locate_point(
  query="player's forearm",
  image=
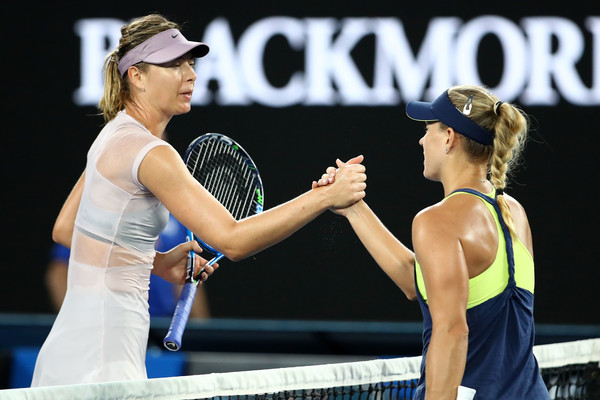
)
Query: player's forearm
[
  {"x": 261, "y": 231},
  {"x": 394, "y": 258},
  {"x": 446, "y": 359}
]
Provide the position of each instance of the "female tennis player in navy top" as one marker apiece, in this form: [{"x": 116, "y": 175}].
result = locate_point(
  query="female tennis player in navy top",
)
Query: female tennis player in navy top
[
  {"x": 472, "y": 269},
  {"x": 114, "y": 214}
]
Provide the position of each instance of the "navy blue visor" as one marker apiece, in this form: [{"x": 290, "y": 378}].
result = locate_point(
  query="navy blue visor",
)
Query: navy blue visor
[{"x": 442, "y": 109}]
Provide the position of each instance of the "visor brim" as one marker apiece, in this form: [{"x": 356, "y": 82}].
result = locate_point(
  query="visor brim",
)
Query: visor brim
[
  {"x": 175, "y": 51},
  {"x": 420, "y": 111}
]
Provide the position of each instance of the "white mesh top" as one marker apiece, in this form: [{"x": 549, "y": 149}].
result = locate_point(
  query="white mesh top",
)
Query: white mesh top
[{"x": 101, "y": 331}]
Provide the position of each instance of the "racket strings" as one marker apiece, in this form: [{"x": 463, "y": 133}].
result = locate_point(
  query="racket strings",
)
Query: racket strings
[
  {"x": 228, "y": 185},
  {"x": 225, "y": 173}
]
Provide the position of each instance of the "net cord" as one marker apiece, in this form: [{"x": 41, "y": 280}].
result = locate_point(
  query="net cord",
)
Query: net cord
[
  {"x": 283, "y": 379},
  {"x": 233, "y": 383},
  {"x": 559, "y": 354}
]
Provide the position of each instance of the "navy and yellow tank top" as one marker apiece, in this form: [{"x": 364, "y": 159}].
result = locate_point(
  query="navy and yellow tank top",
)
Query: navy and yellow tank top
[
  {"x": 493, "y": 280},
  {"x": 500, "y": 361}
]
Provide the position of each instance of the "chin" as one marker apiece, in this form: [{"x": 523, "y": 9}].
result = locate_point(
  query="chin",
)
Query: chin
[
  {"x": 430, "y": 177},
  {"x": 425, "y": 173},
  {"x": 185, "y": 110}
]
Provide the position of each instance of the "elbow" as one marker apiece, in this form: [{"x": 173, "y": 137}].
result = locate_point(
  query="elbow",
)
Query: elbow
[
  {"x": 408, "y": 288},
  {"x": 410, "y": 294},
  {"x": 62, "y": 234},
  {"x": 406, "y": 281},
  {"x": 459, "y": 330},
  {"x": 234, "y": 254},
  {"x": 237, "y": 249},
  {"x": 410, "y": 291},
  {"x": 56, "y": 234},
  {"x": 234, "y": 242}
]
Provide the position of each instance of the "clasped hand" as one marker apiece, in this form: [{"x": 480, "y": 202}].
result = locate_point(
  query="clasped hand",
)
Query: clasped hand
[{"x": 351, "y": 176}]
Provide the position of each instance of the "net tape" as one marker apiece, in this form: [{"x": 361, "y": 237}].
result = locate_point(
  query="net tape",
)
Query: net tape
[
  {"x": 306, "y": 382},
  {"x": 571, "y": 370}
]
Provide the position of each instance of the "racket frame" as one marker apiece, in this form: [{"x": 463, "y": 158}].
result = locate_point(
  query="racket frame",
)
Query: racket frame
[{"x": 173, "y": 339}]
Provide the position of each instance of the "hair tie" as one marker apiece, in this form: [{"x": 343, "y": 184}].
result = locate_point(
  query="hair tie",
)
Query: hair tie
[
  {"x": 496, "y": 107},
  {"x": 499, "y": 192}
]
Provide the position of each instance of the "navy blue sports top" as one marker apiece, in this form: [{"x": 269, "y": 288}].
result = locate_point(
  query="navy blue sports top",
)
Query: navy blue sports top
[{"x": 500, "y": 362}]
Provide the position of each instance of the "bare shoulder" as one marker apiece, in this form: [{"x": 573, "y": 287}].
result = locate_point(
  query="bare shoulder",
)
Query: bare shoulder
[
  {"x": 161, "y": 157},
  {"x": 438, "y": 219},
  {"x": 454, "y": 217},
  {"x": 161, "y": 167},
  {"x": 164, "y": 153},
  {"x": 450, "y": 211},
  {"x": 437, "y": 246},
  {"x": 427, "y": 215}
]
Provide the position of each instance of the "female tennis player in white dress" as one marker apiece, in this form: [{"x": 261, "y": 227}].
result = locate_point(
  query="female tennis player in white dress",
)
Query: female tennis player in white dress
[
  {"x": 102, "y": 328},
  {"x": 118, "y": 207}
]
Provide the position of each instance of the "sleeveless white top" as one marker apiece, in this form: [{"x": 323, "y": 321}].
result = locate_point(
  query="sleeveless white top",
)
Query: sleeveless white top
[{"x": 101, "y": 331}]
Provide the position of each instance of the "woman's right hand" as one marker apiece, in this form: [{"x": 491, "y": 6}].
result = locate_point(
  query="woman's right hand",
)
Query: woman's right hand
[{"x": 346, "y": 183}]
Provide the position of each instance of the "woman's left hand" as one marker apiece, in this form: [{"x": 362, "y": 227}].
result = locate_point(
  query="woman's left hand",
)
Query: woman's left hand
[
  {"x": 172, "y": 265},
  {"x": 329, "y": 176}
]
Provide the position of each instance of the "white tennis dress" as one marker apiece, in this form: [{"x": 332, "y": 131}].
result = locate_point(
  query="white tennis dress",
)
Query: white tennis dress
[{"x": 101, "y": 331}]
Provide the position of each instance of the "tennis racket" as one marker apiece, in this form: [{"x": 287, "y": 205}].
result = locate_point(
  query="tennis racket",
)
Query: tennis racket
[{"x": 223, "y": 168}]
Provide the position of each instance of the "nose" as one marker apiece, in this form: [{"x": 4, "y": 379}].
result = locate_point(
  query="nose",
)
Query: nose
[
  {"x": 190, "y": 73},
  {"x": 421, "y": 140}
]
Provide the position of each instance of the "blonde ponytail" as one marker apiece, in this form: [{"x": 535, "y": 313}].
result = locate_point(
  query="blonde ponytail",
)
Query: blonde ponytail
[
  {"x": 509, "y": 125},
  {"x": 116, "y": 91},
  {"x": 510, "y": 135}
]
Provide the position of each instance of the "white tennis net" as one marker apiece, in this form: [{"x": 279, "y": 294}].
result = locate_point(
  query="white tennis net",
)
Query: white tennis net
[{"x": 570, "y": 370}]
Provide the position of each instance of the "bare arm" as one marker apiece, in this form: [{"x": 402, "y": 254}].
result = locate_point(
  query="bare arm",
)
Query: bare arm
[
  {"x": 440, "y": 255},
  {"x": 395, "y": 259},
  {"x": 56, "y": 282},
  {"x": 164, "y": 173},
  {"x": 65, "y": 222}
]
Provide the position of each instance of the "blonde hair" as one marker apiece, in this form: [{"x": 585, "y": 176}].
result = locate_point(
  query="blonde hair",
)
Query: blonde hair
[
  {"x": 509, "y": 125},
  {"x": 116, "y": 88}
]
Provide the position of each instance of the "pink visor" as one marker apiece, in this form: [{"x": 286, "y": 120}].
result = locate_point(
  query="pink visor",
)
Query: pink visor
[{"x": 161, "y": 48}]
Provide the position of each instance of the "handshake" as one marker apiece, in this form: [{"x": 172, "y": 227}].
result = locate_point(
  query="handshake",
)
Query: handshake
[{"x": 345, "y": 183}]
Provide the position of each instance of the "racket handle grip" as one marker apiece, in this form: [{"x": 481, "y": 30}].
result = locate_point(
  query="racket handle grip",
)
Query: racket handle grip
[{"x": 180, "y": 317}]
